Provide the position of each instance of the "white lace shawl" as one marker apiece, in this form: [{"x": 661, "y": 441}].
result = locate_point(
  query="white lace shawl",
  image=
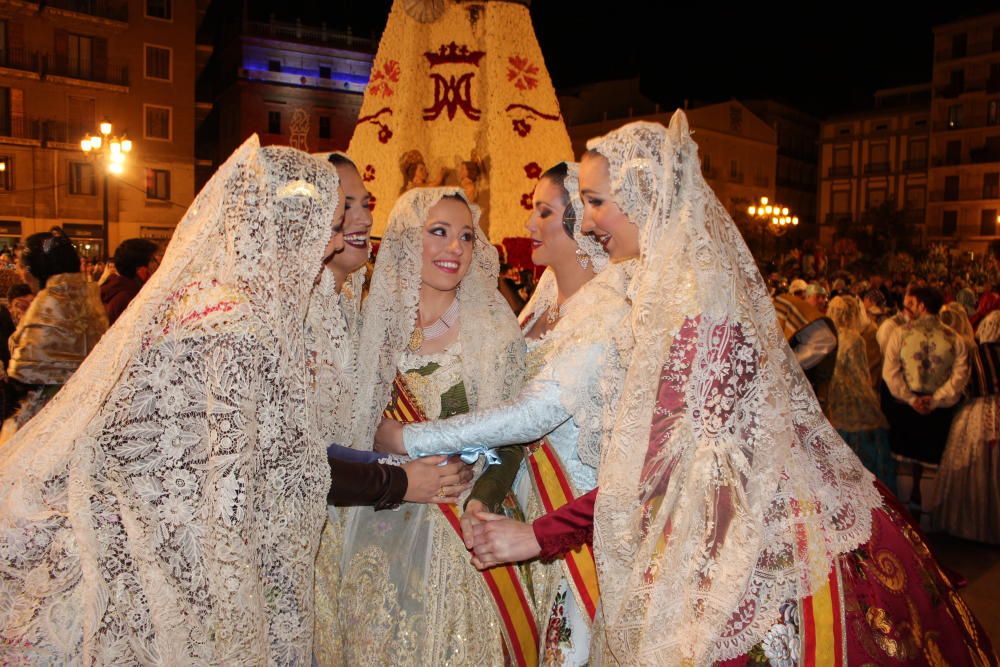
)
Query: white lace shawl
[
  {"x": 165, "y": 507},
  {"x": 724, "y": 490},
  {"x": 390, "y": 313},
  {"x": 332, "y": 323}
]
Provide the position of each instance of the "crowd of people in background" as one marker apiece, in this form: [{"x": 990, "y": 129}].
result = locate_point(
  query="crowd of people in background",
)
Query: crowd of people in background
[{"x": 907, "y": 368}]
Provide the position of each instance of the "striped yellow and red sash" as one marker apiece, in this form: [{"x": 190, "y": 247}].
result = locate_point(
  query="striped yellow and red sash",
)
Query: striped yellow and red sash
[
  {"x": 823, "y": 636},
  {"x": 503, "y": 582},
  {"x": 555, "y": 491}
]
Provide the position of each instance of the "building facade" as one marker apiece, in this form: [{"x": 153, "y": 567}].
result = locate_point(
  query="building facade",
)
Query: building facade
[
  {"x": 290, "y": 84},
  {"x": 798, "y": 157},
  {"x": 964, "y": 174},
  {"x": 738, "y": 150},
  {"x": 875, "y": 159},
  {"x": 68, "y": 65}
]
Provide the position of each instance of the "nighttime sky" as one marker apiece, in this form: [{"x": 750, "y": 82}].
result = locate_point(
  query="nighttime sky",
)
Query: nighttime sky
[{"x": 824, "y": 59}]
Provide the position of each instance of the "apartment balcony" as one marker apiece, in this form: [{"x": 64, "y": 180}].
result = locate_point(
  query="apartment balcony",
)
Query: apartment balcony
[
  {"x": 949, "y": 91},
  {"x": 984, "y": 155},
  {"x": 964, "y": 194},
  {"x": 971, "y": 51},
  {"x": 19, "y": 130},
  {"x": 114, "y": 10},
  {"x": 915, "y": 165},
  {"x": 112, "y": 73},
  {"x": 840, "y": 172},
  {"x": 21, "y": 60},
  {"x": 876, "y": 169},
  {"x": 296, "y": 32},
  {"x": 735, "y": 178},
  {"x": 709, "y": 172}
]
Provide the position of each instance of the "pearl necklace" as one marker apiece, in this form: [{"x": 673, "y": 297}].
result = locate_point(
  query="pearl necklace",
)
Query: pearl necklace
[{"x": 440, "y": 327}]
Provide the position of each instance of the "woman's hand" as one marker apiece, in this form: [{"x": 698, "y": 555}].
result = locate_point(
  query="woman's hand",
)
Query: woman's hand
[
  {"x": 469, "y": 520},
  {"x": 389, "y": 437},
  {"x": 497, "y": 540},
  {"x": 429, "y": 482}
]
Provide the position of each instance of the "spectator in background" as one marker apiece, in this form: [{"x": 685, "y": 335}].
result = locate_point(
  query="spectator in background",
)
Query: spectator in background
[
  {"x": 926, "y": 369},
  {"x": 853, "y": 406},
  {"x": 135, "y": 262},
  {"x": 19, "y": 297},
  {"x": 58, "y": 331}
]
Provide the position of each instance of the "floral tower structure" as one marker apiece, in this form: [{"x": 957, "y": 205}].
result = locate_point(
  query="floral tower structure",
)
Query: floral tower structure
[{"x": 459, "y": 95}]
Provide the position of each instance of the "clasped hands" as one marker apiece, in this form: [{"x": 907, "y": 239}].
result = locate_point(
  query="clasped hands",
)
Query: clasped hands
[{"x": 493, "y": 539}]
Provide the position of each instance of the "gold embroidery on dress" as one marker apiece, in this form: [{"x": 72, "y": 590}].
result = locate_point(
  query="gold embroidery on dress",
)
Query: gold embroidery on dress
[{"x": 889, "y": 571}]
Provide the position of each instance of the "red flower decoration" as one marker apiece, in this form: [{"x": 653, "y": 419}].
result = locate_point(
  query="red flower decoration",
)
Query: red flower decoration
[
  {"x": 532, "y": 170},
  {"x": 522, "y": 72},
  {"x": 369, "y": 174},
  {"x": 526, "y": 201},
  {"x": 384, "y": 134},
  {"x": 522, "y": 127},
  {"x": 379, "y": 83}
]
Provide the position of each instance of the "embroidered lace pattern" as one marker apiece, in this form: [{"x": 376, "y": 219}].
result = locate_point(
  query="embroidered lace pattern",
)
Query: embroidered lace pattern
[
  {"x": 166, "y": 505},
  {"x": 724, "y": 490}
]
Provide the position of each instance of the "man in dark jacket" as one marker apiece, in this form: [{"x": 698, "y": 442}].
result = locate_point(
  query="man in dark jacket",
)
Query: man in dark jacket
[{"x": 135, "y": 261}]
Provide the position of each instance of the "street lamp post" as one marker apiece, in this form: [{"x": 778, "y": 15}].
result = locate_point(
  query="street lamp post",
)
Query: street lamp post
[
  {"x": 772, "y": 217},
  {"x": 110, "y": 152}
]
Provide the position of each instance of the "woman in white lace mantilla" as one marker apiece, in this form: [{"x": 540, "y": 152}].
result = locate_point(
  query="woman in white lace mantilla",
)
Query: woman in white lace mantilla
[
  {"x": 732, "y": 523},
  {"x": 437, "y": 339},
  {"x": 166, "y": 506},
  {"x": 569, "y": 324}
]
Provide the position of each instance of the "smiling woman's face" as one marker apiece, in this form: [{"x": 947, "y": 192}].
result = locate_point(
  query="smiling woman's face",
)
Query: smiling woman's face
[
  {"x": 601, "y": 216},
  {"x": 447, "y": 245}
]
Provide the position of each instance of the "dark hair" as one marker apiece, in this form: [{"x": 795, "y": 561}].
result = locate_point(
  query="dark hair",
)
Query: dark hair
[
  {"x": 341, "y": 160},
  {"x": 49, "y": 254},
  {"x": 929, "y": 296},
  {"x": 18, "y": 290},
  {"x": 557, "y": 175},
  {"x": 133, "y": 254}
]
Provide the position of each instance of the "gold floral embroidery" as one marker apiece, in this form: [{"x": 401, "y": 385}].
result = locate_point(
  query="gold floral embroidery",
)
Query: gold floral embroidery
[
  {"x": 932, "y": 653},
  {"x": 903, "y": 648},
  {"x": 889, "y": 571}
]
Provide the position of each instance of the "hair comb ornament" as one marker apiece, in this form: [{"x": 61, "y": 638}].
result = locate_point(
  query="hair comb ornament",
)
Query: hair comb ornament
[{"x": 298, "y": 188}]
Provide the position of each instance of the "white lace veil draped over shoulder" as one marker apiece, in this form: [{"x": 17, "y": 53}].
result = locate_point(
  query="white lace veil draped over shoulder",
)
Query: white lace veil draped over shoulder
[
  {"x": 546, "y": 290},
  {"x": 166, "y": 505},
  {"x": 492, "y": 346},
  {"x": 724, "y": 491}
]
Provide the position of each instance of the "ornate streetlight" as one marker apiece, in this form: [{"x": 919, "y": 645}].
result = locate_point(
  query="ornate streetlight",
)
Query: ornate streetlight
[
  {"x": 110, "y": 152},
  {"x": 776, "y": 218}
]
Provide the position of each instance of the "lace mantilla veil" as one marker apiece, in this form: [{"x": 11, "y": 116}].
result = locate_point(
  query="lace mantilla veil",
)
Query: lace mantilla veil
[
  {"x": 166, "y": 506},
  {"x": 724, "y": 490},
  {"x": 491, "y": 346}
]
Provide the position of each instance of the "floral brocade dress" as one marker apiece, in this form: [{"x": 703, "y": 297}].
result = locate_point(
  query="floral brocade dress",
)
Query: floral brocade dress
[{"x": 409, "y": 595}]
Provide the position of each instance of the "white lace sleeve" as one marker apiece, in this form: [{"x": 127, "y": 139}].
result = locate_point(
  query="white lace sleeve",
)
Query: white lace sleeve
[{"x": 535, "y": 412}]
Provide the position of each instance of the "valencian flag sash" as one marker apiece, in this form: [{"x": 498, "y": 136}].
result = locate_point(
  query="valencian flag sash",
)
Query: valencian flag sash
[
  {"x": 555, "y": 491},
  {"x": 508, "y": 594}
]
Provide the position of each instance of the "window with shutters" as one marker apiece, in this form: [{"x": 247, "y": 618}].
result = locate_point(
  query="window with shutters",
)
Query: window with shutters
[
  {"x": 12, "y": 113},
  {"x": 158, "y": 184},
  {"x": 81, "y": 179},
  {"x": 156, "y": 123},
  {"x": 949, "y": 223},
  {"x": 6, "y": 173},
  {"x": 158, "y": 62},
  {"x": 80, "y": 56},
  {"x": 988, "y": 222},
  {"x": 160, "y": 9},
  {"x": 82, "y": 117}
]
